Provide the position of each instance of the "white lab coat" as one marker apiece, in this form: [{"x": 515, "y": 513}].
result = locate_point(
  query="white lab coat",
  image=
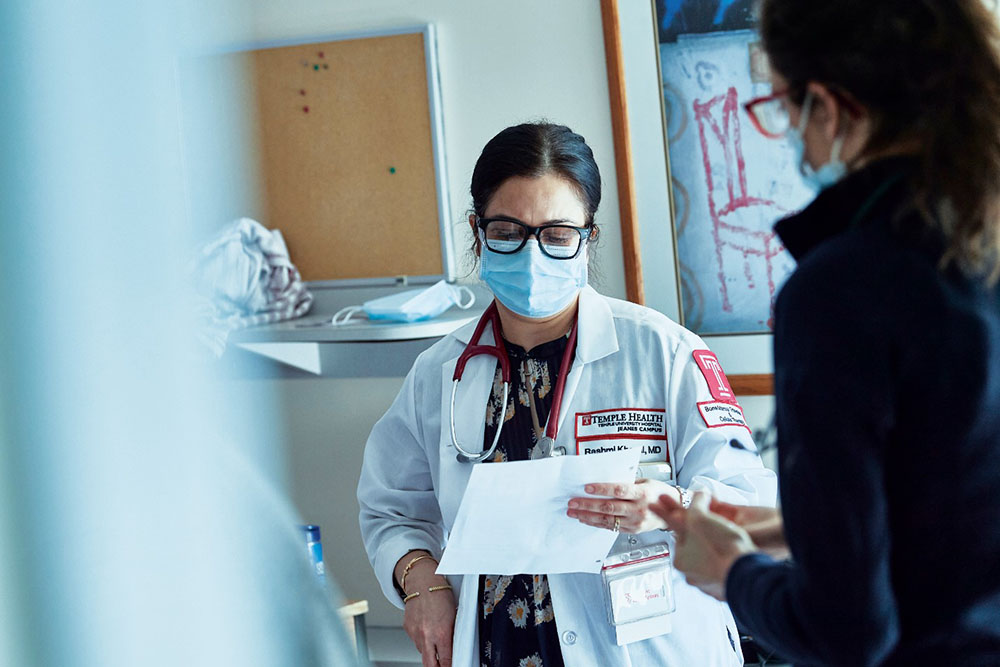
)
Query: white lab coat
[{"x": 627, "y": 356}]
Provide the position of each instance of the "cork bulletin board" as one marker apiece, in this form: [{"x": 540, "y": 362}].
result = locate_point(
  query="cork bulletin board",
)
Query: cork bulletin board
[{"x": 348, "y": 134}]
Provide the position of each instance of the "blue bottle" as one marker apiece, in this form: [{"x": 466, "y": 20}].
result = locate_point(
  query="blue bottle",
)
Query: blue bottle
[{"x": 315, "y": 548}]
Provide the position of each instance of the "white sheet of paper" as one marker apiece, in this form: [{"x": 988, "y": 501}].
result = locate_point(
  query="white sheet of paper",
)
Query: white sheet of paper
[{"x": 512, "y": 519}]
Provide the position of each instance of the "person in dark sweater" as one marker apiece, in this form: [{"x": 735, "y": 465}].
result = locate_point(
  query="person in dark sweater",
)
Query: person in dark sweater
[{"x": 886, "y": 347}]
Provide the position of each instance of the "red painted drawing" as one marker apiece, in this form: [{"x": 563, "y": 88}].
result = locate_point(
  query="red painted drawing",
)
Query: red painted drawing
[{"x": 729, "y": 202}]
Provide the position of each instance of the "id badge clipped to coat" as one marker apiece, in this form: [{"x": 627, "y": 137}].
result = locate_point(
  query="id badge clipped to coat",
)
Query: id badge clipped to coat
[{"x": 638, "y": 592}]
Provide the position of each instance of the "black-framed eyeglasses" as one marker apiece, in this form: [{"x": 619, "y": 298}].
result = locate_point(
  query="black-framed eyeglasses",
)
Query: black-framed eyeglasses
[{"x": 557, "y": 240}]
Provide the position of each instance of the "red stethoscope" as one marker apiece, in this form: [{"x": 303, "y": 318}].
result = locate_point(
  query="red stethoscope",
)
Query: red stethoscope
[{"x": 546, "y": 445}]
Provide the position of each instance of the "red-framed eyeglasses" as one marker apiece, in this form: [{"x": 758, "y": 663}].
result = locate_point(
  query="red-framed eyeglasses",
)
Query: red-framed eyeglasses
[{"x": 769, "y": 115}]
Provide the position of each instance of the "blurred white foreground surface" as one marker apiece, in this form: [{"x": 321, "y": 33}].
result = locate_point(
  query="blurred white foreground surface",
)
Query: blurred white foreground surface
[{"x": 143, "y": 519}]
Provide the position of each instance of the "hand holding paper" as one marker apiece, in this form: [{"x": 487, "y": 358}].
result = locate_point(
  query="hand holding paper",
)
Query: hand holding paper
[{"x": 513, "y": 520}]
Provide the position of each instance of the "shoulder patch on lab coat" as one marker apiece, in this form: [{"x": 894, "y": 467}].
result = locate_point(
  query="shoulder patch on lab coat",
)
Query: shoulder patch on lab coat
[
  {"x": 614, "y": 430},
  {"x": 717, "y": 381},
  {"x": 720, "y": 413}
]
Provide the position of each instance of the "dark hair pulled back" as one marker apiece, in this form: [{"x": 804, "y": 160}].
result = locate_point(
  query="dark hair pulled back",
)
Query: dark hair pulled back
[
  {"x": 531, "y": 150},
  {"x": 928, "y": 73}
]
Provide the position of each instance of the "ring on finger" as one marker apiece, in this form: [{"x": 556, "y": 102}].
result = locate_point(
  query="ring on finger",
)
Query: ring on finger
[{"x": 618, "y": 522}]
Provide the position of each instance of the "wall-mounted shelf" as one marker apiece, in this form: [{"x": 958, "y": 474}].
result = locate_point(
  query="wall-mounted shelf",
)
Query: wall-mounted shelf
[{"x": 311, "y": 346}]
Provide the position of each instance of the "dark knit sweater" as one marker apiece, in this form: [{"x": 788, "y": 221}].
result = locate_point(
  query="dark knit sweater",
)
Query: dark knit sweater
[{"x": 887, "y": 380}]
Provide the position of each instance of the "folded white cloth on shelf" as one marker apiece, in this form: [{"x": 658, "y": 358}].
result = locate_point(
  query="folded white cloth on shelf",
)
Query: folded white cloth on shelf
[{"x": 244, "y": 277}]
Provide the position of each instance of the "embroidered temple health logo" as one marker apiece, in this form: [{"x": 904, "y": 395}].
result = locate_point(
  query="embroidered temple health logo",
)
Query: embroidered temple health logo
[
  {"x": 716, "y": 378},
  {"x": 622, "y": 428},
  {"x": 642, "y": 423}
]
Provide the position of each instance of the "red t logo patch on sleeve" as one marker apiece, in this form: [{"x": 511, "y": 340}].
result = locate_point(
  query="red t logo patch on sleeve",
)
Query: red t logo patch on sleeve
[{"x": 718, "y": 384}]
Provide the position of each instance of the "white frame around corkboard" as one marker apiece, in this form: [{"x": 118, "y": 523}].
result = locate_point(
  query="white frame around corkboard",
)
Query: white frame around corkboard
[{"x": 350, "y": 139}]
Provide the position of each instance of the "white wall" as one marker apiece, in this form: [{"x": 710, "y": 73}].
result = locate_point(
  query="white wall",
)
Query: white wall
[{"x": 326, "y": 423}]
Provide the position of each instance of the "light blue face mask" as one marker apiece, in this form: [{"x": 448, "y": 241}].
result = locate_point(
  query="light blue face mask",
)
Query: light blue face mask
[
  {"x": 412, "y": 305},
  {"x": 827, "y": 174},
  {"x": 530, "y": 283}
]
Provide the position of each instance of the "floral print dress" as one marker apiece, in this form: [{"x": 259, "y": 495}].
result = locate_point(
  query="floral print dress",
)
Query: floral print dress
[{"x": 516, "y": 625}]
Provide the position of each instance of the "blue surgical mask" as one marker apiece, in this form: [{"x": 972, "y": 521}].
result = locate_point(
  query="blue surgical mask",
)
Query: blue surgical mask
[
  {"x": 532, "y": 284},
  {"x": 827, "y": 174},
  {"x": 412, "y": 305}
]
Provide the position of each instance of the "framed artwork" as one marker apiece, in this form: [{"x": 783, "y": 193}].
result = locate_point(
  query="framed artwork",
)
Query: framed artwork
[
  {"x": 729, "y": 183},
  {"x": 682, "y": 17},
  {"x": 651, "y": 128}
]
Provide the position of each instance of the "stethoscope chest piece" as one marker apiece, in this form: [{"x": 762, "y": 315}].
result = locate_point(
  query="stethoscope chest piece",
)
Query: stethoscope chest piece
[{"x": 545, "y": 448}]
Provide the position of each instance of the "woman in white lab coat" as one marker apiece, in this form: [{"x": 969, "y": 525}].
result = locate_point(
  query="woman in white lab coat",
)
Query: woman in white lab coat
[{"x": 635, "y": 379}]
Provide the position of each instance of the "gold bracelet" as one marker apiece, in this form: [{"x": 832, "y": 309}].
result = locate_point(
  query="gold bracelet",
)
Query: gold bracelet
[
  {"x": 406, "y": 570},
  {"x": 432, "y": 589}
]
